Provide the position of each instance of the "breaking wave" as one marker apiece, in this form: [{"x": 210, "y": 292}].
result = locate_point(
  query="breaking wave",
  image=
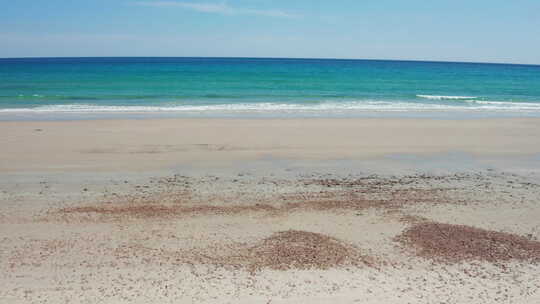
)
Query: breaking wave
[
  {"x": 441, "y": 97},
  {"x": 269, "y": 107}
]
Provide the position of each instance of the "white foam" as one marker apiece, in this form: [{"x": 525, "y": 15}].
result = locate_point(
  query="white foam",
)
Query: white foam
[
  {"x": 269, "y": 107},
  {"x": 441, "y": 97},
  {"x": 33, "y": 95}
]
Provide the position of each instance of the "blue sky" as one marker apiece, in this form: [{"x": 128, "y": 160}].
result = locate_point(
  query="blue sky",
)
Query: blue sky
[{"x": 452, "y": 30}]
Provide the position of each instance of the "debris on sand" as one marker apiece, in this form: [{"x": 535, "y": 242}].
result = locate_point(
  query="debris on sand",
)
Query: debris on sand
[
  {"x": 295, "y": 249},
  {"x": 151, "y": 211},
  {"x": 456, "y": 243},
  {"x": 284, "y": 250}
]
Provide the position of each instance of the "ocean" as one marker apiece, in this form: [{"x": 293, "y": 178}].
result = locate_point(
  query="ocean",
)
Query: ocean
[{"x": 254, "y": 87}]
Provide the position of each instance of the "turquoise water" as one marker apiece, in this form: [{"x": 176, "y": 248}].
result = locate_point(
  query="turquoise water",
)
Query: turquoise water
[{"x": 272, "y": 87}]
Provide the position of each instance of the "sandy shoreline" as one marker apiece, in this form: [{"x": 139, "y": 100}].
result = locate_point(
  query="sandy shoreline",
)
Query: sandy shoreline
[
  {"x": 270, "y": 211},
  {"x": 161, "y": 144}
]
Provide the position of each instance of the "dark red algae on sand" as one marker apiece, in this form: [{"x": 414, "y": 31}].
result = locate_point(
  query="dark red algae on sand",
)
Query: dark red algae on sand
[{"x": 457, "y": 243}]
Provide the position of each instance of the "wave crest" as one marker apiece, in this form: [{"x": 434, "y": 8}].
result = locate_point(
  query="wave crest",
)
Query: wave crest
[
  {"x": 442, "y": 97},
  {"x": 291, "y": 108}
]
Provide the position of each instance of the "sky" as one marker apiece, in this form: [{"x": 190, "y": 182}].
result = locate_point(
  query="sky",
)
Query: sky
[{"x": 446, "y": 30}]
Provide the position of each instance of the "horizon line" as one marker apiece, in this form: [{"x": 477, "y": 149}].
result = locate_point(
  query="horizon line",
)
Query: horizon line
[{"x": 294, "y": 58}]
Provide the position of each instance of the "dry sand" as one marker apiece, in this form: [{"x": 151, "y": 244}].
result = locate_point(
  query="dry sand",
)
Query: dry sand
[{"x": 270, "y": 211}]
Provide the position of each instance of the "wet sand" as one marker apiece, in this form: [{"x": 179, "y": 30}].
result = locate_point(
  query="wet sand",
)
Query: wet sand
[
  {"x": 270, "y": 211},
  {"x": 166, "y": 143}
]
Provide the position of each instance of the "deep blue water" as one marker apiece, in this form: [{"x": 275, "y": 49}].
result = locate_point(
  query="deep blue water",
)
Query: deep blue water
[{"x": 275, "y": 87}]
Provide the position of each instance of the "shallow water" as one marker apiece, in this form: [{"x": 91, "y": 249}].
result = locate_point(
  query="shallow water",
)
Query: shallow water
[{"x": 248, "y": 87}]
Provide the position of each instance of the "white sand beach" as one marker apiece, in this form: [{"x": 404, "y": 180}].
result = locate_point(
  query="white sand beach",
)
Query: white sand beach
[{"x": 270, "y": 211}]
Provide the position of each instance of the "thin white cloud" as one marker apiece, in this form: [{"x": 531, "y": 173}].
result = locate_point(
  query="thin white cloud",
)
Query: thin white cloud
[{"x": 219, "y": 8}]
